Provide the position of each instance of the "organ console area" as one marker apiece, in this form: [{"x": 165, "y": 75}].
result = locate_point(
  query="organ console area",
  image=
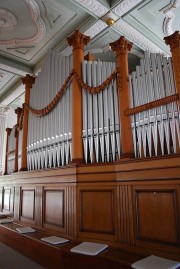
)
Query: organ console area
[{"x": 95, "y": 157}]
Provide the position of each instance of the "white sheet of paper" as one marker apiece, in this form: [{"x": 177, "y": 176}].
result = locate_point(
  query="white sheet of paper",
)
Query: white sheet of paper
[
  {"x": 25, "y": 230},
  {"x": 54, "y": 240},
  {"x": 155, "y": 262},
  {"x": 89, "y": 248}
]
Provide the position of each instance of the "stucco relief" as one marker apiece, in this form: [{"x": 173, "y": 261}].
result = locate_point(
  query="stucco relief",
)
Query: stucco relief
[
  {"x": 35, "y": 15},
  {"x": 94, "y": 6},
  {"x": 95, "y": 29},
  {"x": 136, "y": 37},
  {"x": 125, "y": 6},
  {"x": 169, "y": 16},
  {"x": 8, "y": 20}
]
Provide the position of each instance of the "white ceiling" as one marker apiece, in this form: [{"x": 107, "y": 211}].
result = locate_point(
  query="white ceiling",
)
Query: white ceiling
[{"x": 29, "y": 27}]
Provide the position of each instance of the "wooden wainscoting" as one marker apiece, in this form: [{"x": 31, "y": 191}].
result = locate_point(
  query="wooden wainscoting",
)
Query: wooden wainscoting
[
  {"x": 156, "y": 212},
  {"x": 129, "y": 204},
  {"x": 54, "y": 208},
  {"x": 7, "y": 195},
  {"x": 97, "y": 212},
  {"x": 27, "y": 205},
  {"x": 8, "y": 199}
]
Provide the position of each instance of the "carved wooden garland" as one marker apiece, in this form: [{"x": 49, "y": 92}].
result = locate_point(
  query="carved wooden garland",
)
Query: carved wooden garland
[{"x": 44, "y": 111}]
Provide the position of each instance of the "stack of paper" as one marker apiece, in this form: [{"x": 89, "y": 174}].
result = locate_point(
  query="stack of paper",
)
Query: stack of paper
[
  {"x": 25, "y": 230},
  {"x": 155, "y": 262},
  {"x": 89, "y": 248},
  {"x": 54, "y": 240}
]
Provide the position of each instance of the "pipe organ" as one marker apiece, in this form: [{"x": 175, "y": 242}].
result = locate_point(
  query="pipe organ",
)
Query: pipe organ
[
  {"x": 49, "y": 136},
  {"x": 156, "y": 131},
  {"x": 134, "y": 199}
]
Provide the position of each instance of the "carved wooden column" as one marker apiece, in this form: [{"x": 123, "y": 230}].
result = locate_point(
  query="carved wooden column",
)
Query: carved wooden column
[
  {"x": 174, "y": 42},
  {"x": 28, "y": 81},
  {"x": 122, "y": 47},
  {"x": 8, "y": 131},
  {"x": 77, "y": 41},
  {"x": 18, "y": 111}
]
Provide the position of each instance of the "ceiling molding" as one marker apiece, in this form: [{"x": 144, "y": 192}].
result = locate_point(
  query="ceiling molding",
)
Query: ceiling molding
[
  {"x": 94, "y": 7},
  {"x": 41, "y": 28},
  {"x": 125, "y": 6},
  {"x": 95, "y": 29},
  {"x": 14, "y": 67},
  {"x": 136, "y": 37}
]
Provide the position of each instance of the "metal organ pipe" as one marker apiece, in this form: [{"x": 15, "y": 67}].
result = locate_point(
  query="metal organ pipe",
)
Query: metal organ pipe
[
  {"x": 49, "y": 136},
  {"x": 155, "y": 131},
  {"x": 100, "y": 115}
]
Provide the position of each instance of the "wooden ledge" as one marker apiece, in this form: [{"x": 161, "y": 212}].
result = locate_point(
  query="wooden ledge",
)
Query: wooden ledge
[{"x": 59, "y": 256}]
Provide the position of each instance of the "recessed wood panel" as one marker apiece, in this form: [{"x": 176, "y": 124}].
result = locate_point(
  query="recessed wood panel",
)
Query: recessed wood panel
[
  {"x": 6, "y": 199},
  {"x": 156, "y": 215},
  {"x": 28, "y": 204},
  {"x": 97, "y": 211},
  {"x": 54, "y": 207}
]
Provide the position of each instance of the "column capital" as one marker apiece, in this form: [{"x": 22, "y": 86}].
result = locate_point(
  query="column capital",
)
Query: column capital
[
  {"x": 28, "y": 81},
  {"x": 78, "y": 40},
  {"x": 173, "y": 40},
  {"x": 121, "y": 45},
  {"x": 4, "y": 110},
  {"x": 18, "y": 111},
  {"x": 8, "y": 131}
]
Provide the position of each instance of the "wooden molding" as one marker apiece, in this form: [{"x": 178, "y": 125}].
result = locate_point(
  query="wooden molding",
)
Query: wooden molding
[{"x": 160, "y": 102}]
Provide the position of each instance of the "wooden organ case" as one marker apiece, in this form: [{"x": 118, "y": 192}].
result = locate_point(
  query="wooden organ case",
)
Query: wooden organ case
[{"x": 98, "y": 160}]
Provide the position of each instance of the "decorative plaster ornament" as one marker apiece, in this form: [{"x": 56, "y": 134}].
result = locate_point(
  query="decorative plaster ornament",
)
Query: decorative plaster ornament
[{"x": 8, "y": 20}]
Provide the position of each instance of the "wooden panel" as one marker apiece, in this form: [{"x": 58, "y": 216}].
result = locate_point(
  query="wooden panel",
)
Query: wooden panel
[
  {"x": 97, "y": 211},
  {"x": 157, "y": 215},
  {"x": 125, "y": 211},
  {"x": 28, "y": 203},
  {"x": 71, "y": 216},
  {"x": 54, "y": 207},
  {"x": 6, "y": 199},
  {"x": 38, "y": 206}
]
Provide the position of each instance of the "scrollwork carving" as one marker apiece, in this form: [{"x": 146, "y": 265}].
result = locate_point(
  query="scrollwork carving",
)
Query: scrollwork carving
[{"x": 41, "y": 29}]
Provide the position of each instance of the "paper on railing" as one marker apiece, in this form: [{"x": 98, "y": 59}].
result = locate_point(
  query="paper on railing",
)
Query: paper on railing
[
  {"x": 3, "y": 215},
  {"x": 89, "y": 248},
  {"x": 6, "y": 220},
  {"x": 25, "y": 230},
  {"x": 155, "y": 262},
  {"x": 54, "y": 240}
]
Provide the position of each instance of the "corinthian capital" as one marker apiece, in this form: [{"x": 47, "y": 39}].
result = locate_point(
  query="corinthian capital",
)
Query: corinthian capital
[
  {"x": 28, "y": 81},
  {"x": 78, "y": 40},
  {"x": 121, "y": 45}
]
